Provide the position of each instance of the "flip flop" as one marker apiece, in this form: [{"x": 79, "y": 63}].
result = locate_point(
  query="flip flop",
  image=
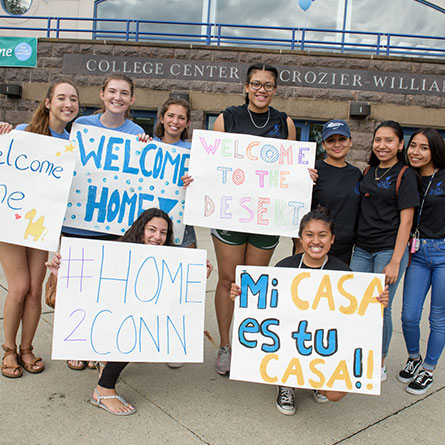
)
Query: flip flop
[
  {"x": 91, "y": 365},
  {"x": 80, "y": 367},
  {"x": 101, "y": 405}
]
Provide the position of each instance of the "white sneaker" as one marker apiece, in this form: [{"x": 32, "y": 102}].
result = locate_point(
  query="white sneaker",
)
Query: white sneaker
[
  {"x": 383, "y": 373},
  {"x": 175, "y": 365},
  {"x": 319, "y": 398}
]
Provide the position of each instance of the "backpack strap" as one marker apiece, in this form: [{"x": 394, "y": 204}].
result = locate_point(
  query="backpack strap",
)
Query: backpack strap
[
  {"x": 366, "y": 170},
  {"x": 399, "y": 178}
]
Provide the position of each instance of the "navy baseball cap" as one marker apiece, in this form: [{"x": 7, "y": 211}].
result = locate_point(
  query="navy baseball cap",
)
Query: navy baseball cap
[{"x": 336, "y": 126}]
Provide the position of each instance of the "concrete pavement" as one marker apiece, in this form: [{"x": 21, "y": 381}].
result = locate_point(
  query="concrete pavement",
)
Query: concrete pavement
[{"x": 194, "y": 405}]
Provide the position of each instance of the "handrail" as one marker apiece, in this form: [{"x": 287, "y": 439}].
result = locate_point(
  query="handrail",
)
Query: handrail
[{"x": 223, "y": 34}]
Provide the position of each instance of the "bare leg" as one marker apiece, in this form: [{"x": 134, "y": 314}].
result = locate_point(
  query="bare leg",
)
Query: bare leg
[
  {"x": 15, "y": 267},
  {"x": 33, "y": 302},
  {"x": 114, "y": 405}
]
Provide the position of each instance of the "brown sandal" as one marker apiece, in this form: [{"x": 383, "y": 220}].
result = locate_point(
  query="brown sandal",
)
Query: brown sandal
[
  {"x": 30, "y": 366},
  {"x": 10, "y": 351}
]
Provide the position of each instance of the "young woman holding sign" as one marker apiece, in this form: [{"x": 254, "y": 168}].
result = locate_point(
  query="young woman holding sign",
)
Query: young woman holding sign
[
  {"x": 255, "y": 117},
  {"x": 317, "y": 237},
  {"x": 117, "y": 95},
  {"x": 24, "y": 267},
  {"x": 153, "y": 227},
  {"x": 388, "y": 196},
  {"x": 426, "y": 153}
]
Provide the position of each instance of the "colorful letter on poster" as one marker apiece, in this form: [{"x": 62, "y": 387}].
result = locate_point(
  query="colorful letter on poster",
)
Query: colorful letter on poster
[
  {"x": 35, "y": 177},
  {"x": 117, "y": 177},
  {"x": 249, "y": 184},
  {"x": 308, "y": 328},
  {"x": 129, "y": 302}
]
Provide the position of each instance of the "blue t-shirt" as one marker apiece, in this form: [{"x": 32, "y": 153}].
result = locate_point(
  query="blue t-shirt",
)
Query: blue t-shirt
[
  {"x": 54, "y": 134},
  {"x": 128, "y": 126},
  {"x": 180, "y": 143}
]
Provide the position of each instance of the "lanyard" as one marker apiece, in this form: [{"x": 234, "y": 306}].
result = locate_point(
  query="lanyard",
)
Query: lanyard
[
  {"x": 301, "y": 261},
  {"x": 416, "y": 232}
]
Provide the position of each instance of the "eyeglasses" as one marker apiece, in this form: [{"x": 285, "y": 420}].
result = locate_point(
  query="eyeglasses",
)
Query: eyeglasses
[{"x": 268, "y": 86}]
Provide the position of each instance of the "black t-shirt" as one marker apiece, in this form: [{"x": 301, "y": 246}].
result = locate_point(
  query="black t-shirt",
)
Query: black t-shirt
[
  {"x": 432, "y": 220},
  {"x": 380, "y": 207},
  {"x": 237, "y": 120},
  {"x": 333, "y": 263},
  {"x": 337, "y": 190}
]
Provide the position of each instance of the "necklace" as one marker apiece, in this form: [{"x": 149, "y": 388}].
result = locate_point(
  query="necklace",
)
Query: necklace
[
  {"x": 377, "y": 178},
  {"x": 253, "y": 122},
  {"x": 301, "y": 261}
]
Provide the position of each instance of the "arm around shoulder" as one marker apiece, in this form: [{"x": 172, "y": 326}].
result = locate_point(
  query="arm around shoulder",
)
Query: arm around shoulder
[
  {"x": 291, "y": 130},
  {"x": 219, "y": 123}
]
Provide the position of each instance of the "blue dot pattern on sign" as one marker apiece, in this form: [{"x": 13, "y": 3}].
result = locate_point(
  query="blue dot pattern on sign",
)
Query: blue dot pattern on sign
[
  {"x": 162, "y": 191},
  {"x": 179, "y": 222},
  {"x": 151, "y": 187},
  {"x": 141, "y": 179},
  {"x": 89, "y": 180},
  {"x": 97, "y": 227},
  {"x": 78, "y": 192},
  {"x": 92, "y": 140},
  {"x": 180, "y": 213},
  {"x": 79, "y": 204},
  {"x": 128, "y": 182},
  {"x": 74, "y": 173},
  {"x": 104, "y": 179},
  {"x": 138, "y": 152},
  {"x": 85, "y": 130},
  {"x": 166, "y": 183},
  {"x": 139, "y": 188},
  {"x": 117, "y": 148},
  {"x": 73, "y": 216},
  {"x": 123, "y": 230},
  {"x": 182, "y": 202},
  {"x": 177, "y": 240},
  {"x": 116, "y": 177},
  {"x": 174, "y": 150},
  {"x": 70, "y": 204},
  {"x": 107, "y": 227},
  {"x": 132, "y": 189},
  {"x": 177, "y": 192}
]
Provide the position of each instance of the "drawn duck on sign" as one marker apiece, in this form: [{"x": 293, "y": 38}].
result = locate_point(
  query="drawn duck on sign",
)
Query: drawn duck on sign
[{"x": 35, "y": 229}]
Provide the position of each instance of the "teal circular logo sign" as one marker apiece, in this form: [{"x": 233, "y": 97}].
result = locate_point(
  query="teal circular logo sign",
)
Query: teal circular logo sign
[{"x": 23, "y": 51}]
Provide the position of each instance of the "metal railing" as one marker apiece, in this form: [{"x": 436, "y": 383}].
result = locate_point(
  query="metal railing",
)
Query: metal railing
[{"x": 222, "y": 34}]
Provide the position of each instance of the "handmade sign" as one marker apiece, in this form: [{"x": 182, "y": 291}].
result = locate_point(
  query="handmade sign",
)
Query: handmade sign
[
  {"x": 117, "y": 177},
  {"x": 35, "y": 177},
  {"x": 249, "y": 184},
  {"x": 308, "y": 328},
  {"x": 146, "y": 307}
]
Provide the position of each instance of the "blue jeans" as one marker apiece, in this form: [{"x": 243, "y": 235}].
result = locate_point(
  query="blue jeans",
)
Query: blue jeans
[
  {"x": 427, "y": 270},
  {"x": 364, "y": 261}
]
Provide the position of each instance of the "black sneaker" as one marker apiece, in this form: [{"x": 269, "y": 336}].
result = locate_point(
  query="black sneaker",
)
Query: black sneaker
[
  {"x": 409, "y": 371},
  {"x": 421, "y": 383},
  {"x": 286, "y": 400}
]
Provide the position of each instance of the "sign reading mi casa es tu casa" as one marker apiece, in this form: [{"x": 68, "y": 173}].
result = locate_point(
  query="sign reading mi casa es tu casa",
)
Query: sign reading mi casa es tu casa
[{"x": 18, "y": 51}]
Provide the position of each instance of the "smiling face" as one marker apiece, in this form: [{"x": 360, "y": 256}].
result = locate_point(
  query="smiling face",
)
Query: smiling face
[
  {"x": 419, "y": 154},
  {"x": 316, "y": 240},
  {"x": 260, "y": 99},
  {"x": 63, "y": 106},
  {"x": 386, "y": 145},
  {"x": 155, "y": 231},
  {"x": 337, "y": 147},
  {"x": 117, "y": 96},
  {"x": 174, "y": 121}
]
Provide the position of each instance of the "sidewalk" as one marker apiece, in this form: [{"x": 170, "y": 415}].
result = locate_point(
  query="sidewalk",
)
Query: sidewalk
[{"x": 194, "y": 405}]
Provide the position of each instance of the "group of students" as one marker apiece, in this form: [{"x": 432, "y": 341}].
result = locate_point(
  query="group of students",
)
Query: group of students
[{"x": 373, "y": 213}]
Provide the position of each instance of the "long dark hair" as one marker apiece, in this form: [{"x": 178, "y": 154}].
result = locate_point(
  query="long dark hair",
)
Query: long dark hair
[
  {"x": 436, "y": 144},
  {"x": 398, "y": 130},
  {"x": 318, "y": 214},
  {"x": 40, "y": 119},
  {"x": 259, "y": 67},
  {"x": 135, "y": 234},
  {"x": 159, "y": 129}
]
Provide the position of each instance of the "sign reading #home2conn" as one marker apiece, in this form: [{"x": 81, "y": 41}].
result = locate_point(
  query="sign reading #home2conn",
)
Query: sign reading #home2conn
[{"x": 18, "y": 51}]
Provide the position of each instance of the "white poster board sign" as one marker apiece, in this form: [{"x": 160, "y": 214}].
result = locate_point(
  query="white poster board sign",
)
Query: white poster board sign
[
  {"x": 129, "y": 302},
  {"x": 35, "y": 177},
  {"x": 117, "y": 177},
  {"x": 307, "y": 328},
  {"x": 249, "y": 184}
]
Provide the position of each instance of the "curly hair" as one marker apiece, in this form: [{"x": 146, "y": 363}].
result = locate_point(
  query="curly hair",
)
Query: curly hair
[{"x": 135, "y": 234}]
